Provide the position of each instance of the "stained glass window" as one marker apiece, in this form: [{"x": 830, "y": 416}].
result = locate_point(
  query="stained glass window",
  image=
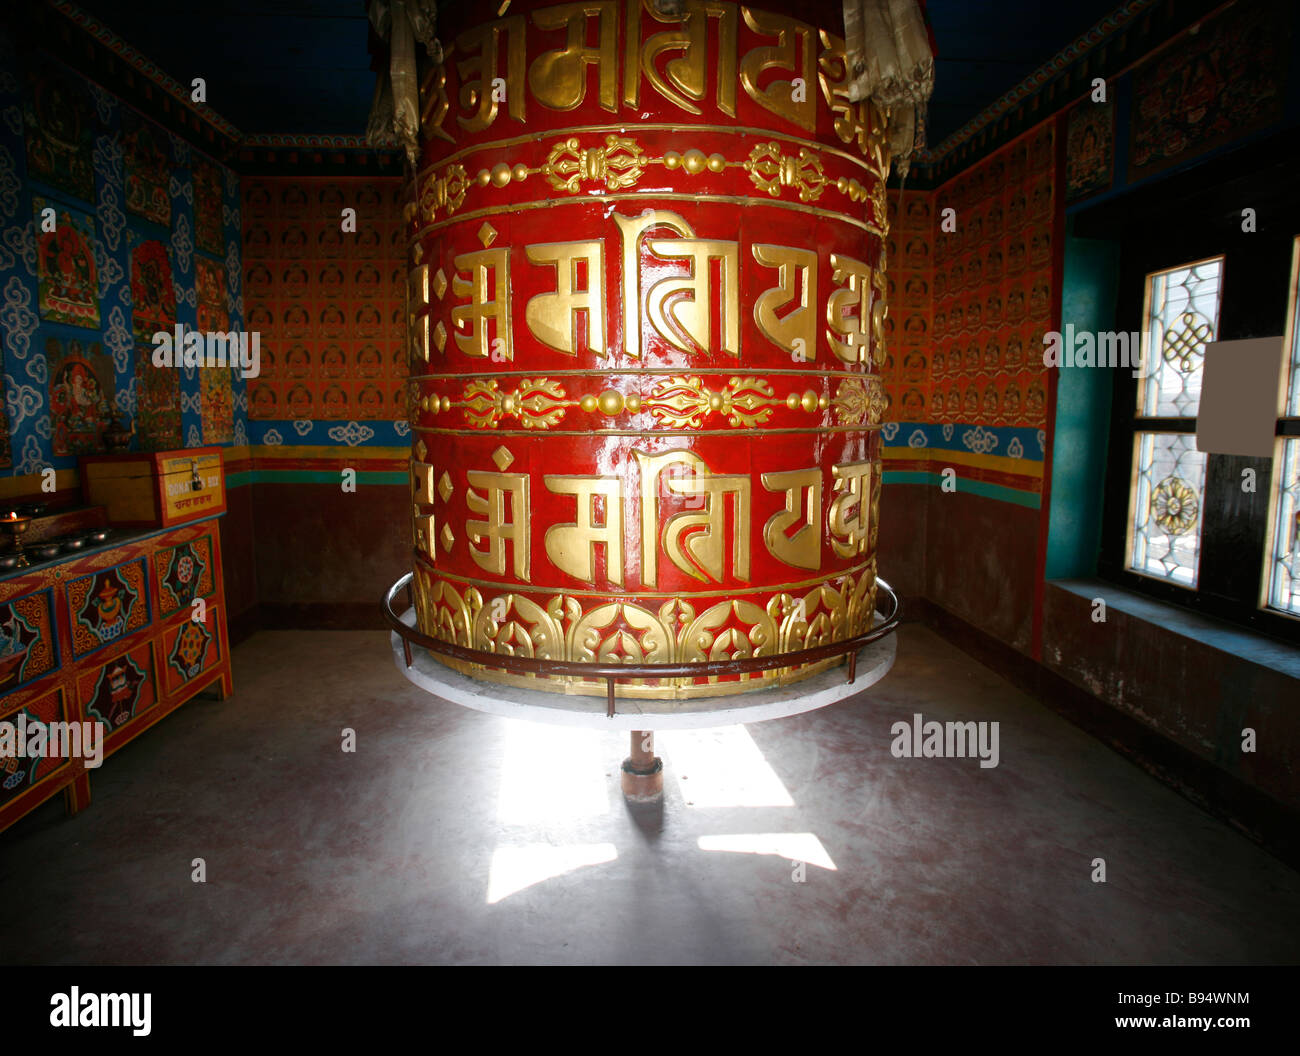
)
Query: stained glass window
[
  {"x": 1282, "y": 560},
  {"x": 1293, "y": 333},
  {"x": 1166, "y": 507},
  {"x": 1181, "y": 317},
  {"x": 1283, "y": 578}
]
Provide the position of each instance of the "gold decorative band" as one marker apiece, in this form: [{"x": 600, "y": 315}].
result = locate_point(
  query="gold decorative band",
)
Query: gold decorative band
[
  {"x": 619, "y": 164},
  {"x": 562, "y": 628},
  {"x": 675, "y": 196},
  {"x": 623, "y": 129},
  {"x": 633, "y": 371},
  {"x": 436, "y": 431},
  {"x": 679, "y": 401}
]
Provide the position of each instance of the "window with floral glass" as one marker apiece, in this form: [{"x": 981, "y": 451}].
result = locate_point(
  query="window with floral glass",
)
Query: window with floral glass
[
  {"x": 1209, "y": 254},
  {"x": 1182, "y": 316},
  {"x": 1282, "y": 564}
]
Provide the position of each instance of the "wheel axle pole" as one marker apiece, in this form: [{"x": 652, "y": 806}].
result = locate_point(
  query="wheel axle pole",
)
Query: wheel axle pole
[{"x": 643, "y": 771}]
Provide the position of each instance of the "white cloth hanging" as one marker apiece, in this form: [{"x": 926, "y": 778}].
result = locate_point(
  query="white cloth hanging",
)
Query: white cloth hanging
[
  {"x": 887, "y": 51},
  {"x": 395, "y": 109}
]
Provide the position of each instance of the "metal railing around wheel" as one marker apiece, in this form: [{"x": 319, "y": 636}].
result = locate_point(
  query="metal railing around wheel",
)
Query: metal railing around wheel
[{"x": 614, "y": 673}]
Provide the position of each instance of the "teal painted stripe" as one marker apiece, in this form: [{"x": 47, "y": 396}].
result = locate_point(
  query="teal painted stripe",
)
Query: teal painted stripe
[
  {"x": 1083, "y": 404},
  {"x": 238, "y": 480},
  {"x": 1029, "y": 499}
]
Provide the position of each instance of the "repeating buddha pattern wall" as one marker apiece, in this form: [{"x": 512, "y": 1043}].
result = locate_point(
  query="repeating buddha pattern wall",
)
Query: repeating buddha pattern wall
[
  {"x": 329, "y": 304},
  {"x": 109, "y": 226},
  {"x": 993, "y": 288},
  {"x": 971, "y": 273},
  {"x": 908, "y": 326}
]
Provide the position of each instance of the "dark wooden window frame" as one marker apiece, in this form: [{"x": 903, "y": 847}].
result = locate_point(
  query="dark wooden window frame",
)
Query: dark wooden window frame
[{"x": 1185, "y": 218}]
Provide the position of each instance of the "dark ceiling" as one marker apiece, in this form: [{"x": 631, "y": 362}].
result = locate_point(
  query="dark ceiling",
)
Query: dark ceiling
[
  {"x": 270, "y": 65},
  {"x": 987, "y": 47},
  {"x": 302, "y": 66}
]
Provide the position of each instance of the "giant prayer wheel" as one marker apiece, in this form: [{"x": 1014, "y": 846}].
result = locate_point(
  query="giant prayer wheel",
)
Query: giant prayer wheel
[{"x": 646, "y": 303}]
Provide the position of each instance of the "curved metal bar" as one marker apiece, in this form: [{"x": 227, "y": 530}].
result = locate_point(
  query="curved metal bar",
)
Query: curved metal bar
[{"x": 613, "y": 672}]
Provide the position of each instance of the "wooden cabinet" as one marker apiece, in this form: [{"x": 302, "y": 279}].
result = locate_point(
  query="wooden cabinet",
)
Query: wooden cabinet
[{"x": 112, "y": 636}]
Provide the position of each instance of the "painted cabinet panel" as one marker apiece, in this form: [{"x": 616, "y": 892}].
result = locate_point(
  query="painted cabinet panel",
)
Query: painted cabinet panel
[
  {"x": 121, "y": 689},
  {"x": 107, "y": 636},
  {"x": 107, "y": 606},
  {"x": 29, "y": 766},
  {"x": 29, "y": 647},
  {"x": 191, "y": 648}
]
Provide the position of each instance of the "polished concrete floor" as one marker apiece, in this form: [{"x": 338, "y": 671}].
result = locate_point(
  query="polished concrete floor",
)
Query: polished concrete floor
[{"x": 452, "y": 836}]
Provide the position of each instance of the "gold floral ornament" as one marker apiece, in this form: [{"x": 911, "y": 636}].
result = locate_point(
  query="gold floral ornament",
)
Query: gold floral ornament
[
  {"x": 1184, "y": 346},
  {"x": 446, "y": 191},
  {"x": 538, "y": 403},
  {"x": 684, "y": 402},
  {"x": 622, "y": 161},
  {"x": 1174, "y": 506},
  {"x": 858, "y": 401},
  {"x": 678, "y": 402},
  {"x": 618, "y": 164},
  {"x": 770, "y": 171},
  {"x": 876, "y": 404}
]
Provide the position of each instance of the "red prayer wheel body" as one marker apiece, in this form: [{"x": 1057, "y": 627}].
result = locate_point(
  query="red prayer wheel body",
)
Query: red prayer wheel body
[{"x": 646, "y": 304}]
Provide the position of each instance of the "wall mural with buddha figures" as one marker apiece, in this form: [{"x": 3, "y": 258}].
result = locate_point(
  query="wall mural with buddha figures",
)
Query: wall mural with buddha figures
[
  {"x": 973, "y": 293},
  {"x": 111, "y": 229},
  {"x": 330, "y": 306}
]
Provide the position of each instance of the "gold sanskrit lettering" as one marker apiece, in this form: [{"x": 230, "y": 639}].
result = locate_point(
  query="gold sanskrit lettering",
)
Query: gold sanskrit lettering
[
  {"x": 417, "y": 314},
  {"x": 849, "y": 518},
  {"x": 485, "y": 318},
  {"x": 572, "y": 547},
  {"x": 803, "y": 505},
  {"x": 552, "y": 318},
  {"x": 422, "y": 495},
  {"x": 685, "y": 322},
  {"x": 496, "y": 529},
  {"x": 558, "y": 78},
  {"x": 858, "y": 123},
  {"x": 856, "y": 293},
  {"x": 694, "y": 542},
  {"x": 779, "y": 96},
  {"x": 435, "y": 104},
  {"x": 797, "y": 331},
  {"x": 682, "y": 81},
  {"x": 479, "y": 94}
]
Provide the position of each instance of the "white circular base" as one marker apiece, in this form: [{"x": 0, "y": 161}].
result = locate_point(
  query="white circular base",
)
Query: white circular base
[{"x": 563, "y": 709}]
